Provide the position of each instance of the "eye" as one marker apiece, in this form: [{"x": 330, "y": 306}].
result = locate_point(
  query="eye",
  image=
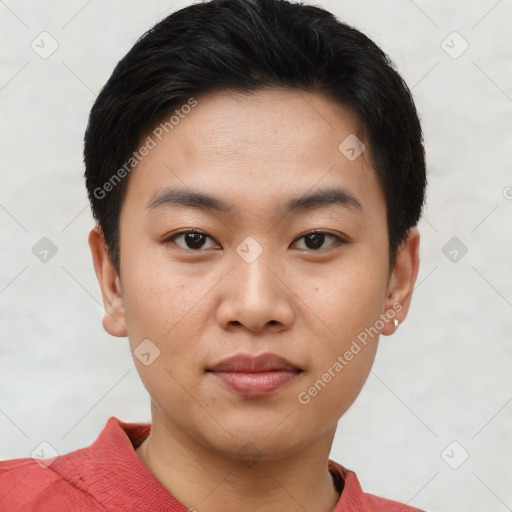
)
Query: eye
[
  {"x": 316, "y": 239},
  {"x": 196, "y": 240},
  {"x": 192, "y": 240}
]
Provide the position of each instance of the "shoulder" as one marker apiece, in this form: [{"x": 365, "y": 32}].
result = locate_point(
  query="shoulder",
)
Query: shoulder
[
  {"x": 27, "y": 486},
  {"x": 94, "y": 478},
  {"x": 353, "y": 498},
  {"x": 385, "y": 505}
]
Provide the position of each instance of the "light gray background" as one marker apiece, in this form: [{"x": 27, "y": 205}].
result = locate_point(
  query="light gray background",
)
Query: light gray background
[{"x": 445, "y": 375}]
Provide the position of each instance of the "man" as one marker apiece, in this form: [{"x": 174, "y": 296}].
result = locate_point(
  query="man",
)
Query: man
[{"x": 256, "y": 170}]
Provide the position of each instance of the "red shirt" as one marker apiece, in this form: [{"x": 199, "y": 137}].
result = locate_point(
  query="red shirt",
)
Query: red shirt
[{"x": 109, "y": 476}]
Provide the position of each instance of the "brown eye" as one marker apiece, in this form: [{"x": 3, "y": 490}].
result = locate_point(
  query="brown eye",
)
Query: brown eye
[
  {"x": 316, "y": 239},
  {"x": 192, "y": 240}
]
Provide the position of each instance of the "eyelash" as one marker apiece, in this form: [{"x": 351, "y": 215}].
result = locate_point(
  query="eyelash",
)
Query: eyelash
[{"x": 337, "y": 240}]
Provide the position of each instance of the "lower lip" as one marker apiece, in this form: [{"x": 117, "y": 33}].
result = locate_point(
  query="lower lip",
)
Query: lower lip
[{"x": 256, "y": 384}]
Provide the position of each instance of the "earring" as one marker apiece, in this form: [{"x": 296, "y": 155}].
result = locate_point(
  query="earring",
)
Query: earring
[{"x": 396, "y": 323}]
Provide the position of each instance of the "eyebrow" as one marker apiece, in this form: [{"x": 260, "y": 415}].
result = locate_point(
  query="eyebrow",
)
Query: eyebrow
[{"x": 175, "y": 197}]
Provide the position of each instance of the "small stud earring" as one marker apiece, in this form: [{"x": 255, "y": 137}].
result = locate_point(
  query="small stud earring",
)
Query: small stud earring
[{"x": 396, "y": 323}]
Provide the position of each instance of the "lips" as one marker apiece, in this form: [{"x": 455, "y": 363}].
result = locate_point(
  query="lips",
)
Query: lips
[
  {"x": 255, "y": 376},
  {"x": 254, "y": 364}
]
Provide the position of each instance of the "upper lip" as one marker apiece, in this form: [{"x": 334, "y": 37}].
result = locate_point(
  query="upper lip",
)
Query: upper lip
[{"x": 254, "y": 364}]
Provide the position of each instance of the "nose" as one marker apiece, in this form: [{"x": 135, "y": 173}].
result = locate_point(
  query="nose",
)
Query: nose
[{"x": 256, "y": 297}]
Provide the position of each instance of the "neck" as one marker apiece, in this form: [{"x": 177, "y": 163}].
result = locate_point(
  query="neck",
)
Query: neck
[{"x": 201, "y": 478}]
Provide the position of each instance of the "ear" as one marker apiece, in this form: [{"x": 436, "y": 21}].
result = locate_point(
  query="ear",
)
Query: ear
[
  {"x": 114, "y": 320},
  {"x": 402, "y": 281}
]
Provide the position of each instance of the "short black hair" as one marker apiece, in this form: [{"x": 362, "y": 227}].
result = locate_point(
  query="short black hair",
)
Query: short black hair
[{"x": 245, "y": 46}]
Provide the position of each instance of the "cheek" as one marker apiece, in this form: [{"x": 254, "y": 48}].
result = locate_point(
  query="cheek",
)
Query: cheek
[
  {"x": 332, "y": 390},
  {"x": 163, "y": 308},
  {"x": 160, "y": 297},
  {"x": 168, "y": 310},
  {"x": 345, "y": 298},
  {"x": 345, "y": 306},
  {"x": 173, "y": 309}
]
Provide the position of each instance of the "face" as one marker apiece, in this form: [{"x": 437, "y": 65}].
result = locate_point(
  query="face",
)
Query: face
[{"x": 247, "y": 232}]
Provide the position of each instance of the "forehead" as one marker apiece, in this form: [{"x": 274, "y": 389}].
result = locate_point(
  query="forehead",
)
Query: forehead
[{"x": 252, "y": 149}]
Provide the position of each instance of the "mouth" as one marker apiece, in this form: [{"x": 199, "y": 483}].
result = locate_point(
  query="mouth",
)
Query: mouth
[{"x": 255, "y": 376}]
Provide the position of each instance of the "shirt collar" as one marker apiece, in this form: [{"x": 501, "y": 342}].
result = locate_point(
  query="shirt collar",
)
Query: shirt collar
[{"x": 111, "y": 472}]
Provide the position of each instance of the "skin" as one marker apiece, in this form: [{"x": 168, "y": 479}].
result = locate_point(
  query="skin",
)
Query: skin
[{"x": 198, "y": 306}]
